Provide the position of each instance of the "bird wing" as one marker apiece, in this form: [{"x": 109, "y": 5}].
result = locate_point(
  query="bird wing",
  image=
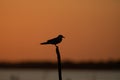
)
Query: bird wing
[{"x": 52, "y": 40}]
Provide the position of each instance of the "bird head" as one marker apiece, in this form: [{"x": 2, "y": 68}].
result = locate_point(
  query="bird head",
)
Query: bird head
[{"x": 61, "y": 36}]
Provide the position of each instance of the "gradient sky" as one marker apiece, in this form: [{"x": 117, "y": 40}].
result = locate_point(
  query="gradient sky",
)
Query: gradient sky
[{"x": 91, "y": 28}]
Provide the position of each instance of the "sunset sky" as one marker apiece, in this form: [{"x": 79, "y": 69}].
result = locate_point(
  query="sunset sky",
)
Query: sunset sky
[{"x": 91, "y": 29}]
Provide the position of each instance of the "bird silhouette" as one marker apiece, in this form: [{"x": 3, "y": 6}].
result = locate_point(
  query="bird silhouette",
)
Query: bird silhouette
[{"x": 54, "y": 41}]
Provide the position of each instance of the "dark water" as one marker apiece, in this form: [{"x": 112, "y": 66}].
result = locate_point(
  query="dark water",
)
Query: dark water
[{"x": 53, "y": 75}]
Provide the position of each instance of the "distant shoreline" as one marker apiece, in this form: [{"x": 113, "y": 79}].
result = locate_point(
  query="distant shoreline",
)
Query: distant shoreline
[{"x": 65, "y": 65}]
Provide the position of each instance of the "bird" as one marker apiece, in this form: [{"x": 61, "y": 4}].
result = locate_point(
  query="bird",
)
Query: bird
[{"x": 54, "y": 41}]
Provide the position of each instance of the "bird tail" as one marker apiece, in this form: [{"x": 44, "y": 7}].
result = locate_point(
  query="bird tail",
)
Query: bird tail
[{"x": 43, "y": 43}]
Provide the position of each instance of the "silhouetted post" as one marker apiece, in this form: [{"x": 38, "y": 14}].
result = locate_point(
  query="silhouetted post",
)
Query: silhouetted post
[{"x": 59, "y": 63}]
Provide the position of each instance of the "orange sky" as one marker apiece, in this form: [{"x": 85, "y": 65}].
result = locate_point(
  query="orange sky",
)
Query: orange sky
[{"x": 91, "y": 28}]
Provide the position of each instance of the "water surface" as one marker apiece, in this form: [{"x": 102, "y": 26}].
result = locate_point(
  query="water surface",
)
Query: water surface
[{"x": 31, "y": 74}]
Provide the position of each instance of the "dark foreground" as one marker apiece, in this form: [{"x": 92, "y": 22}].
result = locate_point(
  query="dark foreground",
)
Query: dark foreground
[{"x": 65, "y": 65}]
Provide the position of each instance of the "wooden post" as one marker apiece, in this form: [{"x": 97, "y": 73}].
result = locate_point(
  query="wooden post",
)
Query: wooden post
[{"x": 59, "y": 63}]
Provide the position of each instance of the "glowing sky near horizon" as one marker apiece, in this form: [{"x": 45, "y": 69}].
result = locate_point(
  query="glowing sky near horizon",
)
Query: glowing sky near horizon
[{"x": 91, "y": 28}]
